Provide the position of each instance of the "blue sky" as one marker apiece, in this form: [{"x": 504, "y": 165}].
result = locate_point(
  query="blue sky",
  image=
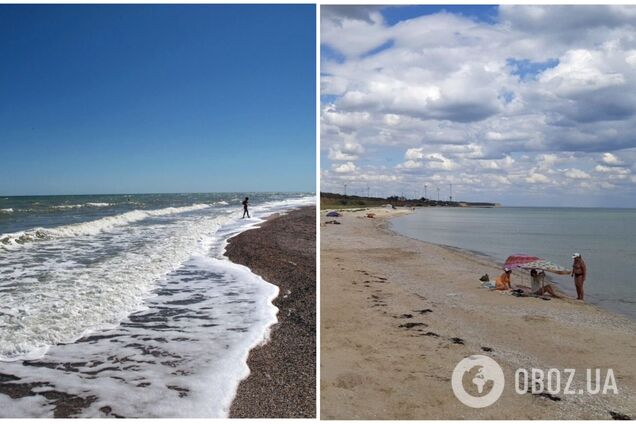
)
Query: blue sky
[
  {"x": 482, "y": 13},
  {"x": 521, "y": 105},
  {"x": 119, "y": 99}
]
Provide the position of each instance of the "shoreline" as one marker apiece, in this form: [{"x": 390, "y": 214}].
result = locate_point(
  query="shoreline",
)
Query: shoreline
[
  {"x": 398, "y": 313},
  {"x": 523, "y": 275},
  {"x": 282, "y": 378},
  {"x": 40, "y": 387},
  {"x": 488, "y": 260}
]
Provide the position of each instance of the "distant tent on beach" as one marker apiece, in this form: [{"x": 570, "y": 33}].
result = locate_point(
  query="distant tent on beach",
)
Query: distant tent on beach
[
  {"x": 333, "y": 214},
  {"x": 533, "y": 262}
]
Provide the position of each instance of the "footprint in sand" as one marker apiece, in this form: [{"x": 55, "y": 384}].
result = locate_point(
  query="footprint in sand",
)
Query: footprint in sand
[
  {"x": 619, "y": 416},
  {"x": 350, "y": 380},
  {"x": 410, "y": 325},
  {"x": 535, "y": 318}
]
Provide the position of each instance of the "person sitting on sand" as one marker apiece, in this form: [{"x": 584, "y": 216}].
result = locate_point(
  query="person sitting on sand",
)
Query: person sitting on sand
[
  {"x": 245, "y": 211},
  {"x": 538, "y": 285},
  {"x": 579, "y": 272},
  {"x": 503, "y": 281}
]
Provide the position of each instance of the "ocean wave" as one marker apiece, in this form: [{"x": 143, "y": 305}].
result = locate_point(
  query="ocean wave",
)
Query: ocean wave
[
  {"x": 219, "y": 312},
  {"x": 161, "y": 296},
  {"x": 13, "y": 240},
  {"x": 67, "y": 206},
  {"x": 222, "y": 202},
  {"x": 77, "y": 299},
  {"x": 83, "y": 205},
  {"x": 7, "y": 210}
]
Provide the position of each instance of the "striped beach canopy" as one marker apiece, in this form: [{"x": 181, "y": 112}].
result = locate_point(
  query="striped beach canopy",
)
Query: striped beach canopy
[{"x": 533, "y": 262}]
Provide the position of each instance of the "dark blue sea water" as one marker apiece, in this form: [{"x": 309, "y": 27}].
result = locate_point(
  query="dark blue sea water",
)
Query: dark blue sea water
[{"x": 606, "y": 238}]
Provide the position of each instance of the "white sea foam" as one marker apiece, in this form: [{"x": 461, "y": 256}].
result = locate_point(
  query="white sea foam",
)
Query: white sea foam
[
  {"x": 67, "y": 206},
  {"x": 80, "y": 279},
  {"x": 183, "y": 356},
  {"x": 83, "y": 205},
  {"x": 13, "y": 240},
  {"x": 62, "y": 288},
  {"x": 6, "y": 210},
  {"x": 171, "y": 321}
]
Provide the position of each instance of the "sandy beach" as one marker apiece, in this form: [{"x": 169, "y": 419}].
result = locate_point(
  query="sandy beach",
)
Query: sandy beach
[
  {"x": 398, "y": 314},
  {"x": 282, "y": 380}
]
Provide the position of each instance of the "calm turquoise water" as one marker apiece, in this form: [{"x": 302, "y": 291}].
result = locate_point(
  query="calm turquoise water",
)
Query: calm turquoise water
[{"x": 605, "y": 237}]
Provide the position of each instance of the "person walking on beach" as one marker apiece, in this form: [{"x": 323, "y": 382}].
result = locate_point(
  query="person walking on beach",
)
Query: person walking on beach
[
  {"x": 579, "y": 272},
  {"x": 245, "y": 211}
]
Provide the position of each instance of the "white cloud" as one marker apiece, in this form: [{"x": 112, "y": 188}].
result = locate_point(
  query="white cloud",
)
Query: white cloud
[
  {"x": 345, "y": 168},
  {"x": 611, "y": 170},
  {"x": 603, "y": 169},
  {"x": 580, "y": 71},
  {"x": 362, "y": 35},
  {"x": 440, "y": 162},
  {"x": 344, "y": 120},
  {"x": 410, "y": 164},
  {"x": 543, "y": 93},
  {"x": 347, "y": 152},
  {"x": 611, "y": 160},
  {"x": 577, "y": 174},
  {"x": 535, "y": 178},
  {"x": 414, "y": 153}
]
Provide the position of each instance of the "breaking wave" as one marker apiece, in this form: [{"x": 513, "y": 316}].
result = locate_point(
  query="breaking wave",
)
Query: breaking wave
[{"x": 13, "y": 240}]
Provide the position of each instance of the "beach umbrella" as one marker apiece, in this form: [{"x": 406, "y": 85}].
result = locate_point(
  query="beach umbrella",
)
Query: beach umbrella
[
  {"x": 523, "y": 261},
  {"x": 533, "y": 262}
]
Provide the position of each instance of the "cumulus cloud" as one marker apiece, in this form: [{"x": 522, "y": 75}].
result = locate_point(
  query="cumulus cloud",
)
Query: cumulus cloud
[
  {"x": 611, "y": 160},
  {"x": 345, "y": 168},
  {"x": 414, "y": 154},
  {"x": 535, "y": 178},
  {"x": 540, "y": 94},
  {"x": 348, "y": 151},
  {"x": 611, "y": 170},
  {"x": 577, "y": 174}
]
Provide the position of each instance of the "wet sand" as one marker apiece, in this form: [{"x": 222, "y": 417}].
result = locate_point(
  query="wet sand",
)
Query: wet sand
[
  {"x": 282, "y": 380},
  {"x": 398, "y": 314}
]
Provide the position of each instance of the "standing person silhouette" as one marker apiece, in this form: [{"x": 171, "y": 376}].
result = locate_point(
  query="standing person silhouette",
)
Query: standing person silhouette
[
  {"x": 579, "y": 272},
  {"x": 245, "y": 211}
]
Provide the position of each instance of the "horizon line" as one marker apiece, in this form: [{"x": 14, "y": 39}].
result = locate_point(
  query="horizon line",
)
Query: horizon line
[{"x": 138, "y": 193}]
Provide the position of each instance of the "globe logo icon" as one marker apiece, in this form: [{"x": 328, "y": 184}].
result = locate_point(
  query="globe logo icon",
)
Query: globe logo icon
[{"x": 486, "y": 373}]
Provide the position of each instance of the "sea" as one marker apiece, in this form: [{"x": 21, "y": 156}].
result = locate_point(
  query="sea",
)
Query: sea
[
  {"x": 125, "y": 304},
  {"x": 606, "y": 239}
]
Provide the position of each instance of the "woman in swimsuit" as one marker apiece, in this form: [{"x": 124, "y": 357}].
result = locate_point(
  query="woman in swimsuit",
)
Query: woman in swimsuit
[
  {"x": 538, "y": 285},
  {"x": 579, "y": 272},
  {"x": 245, "y": 204}
]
